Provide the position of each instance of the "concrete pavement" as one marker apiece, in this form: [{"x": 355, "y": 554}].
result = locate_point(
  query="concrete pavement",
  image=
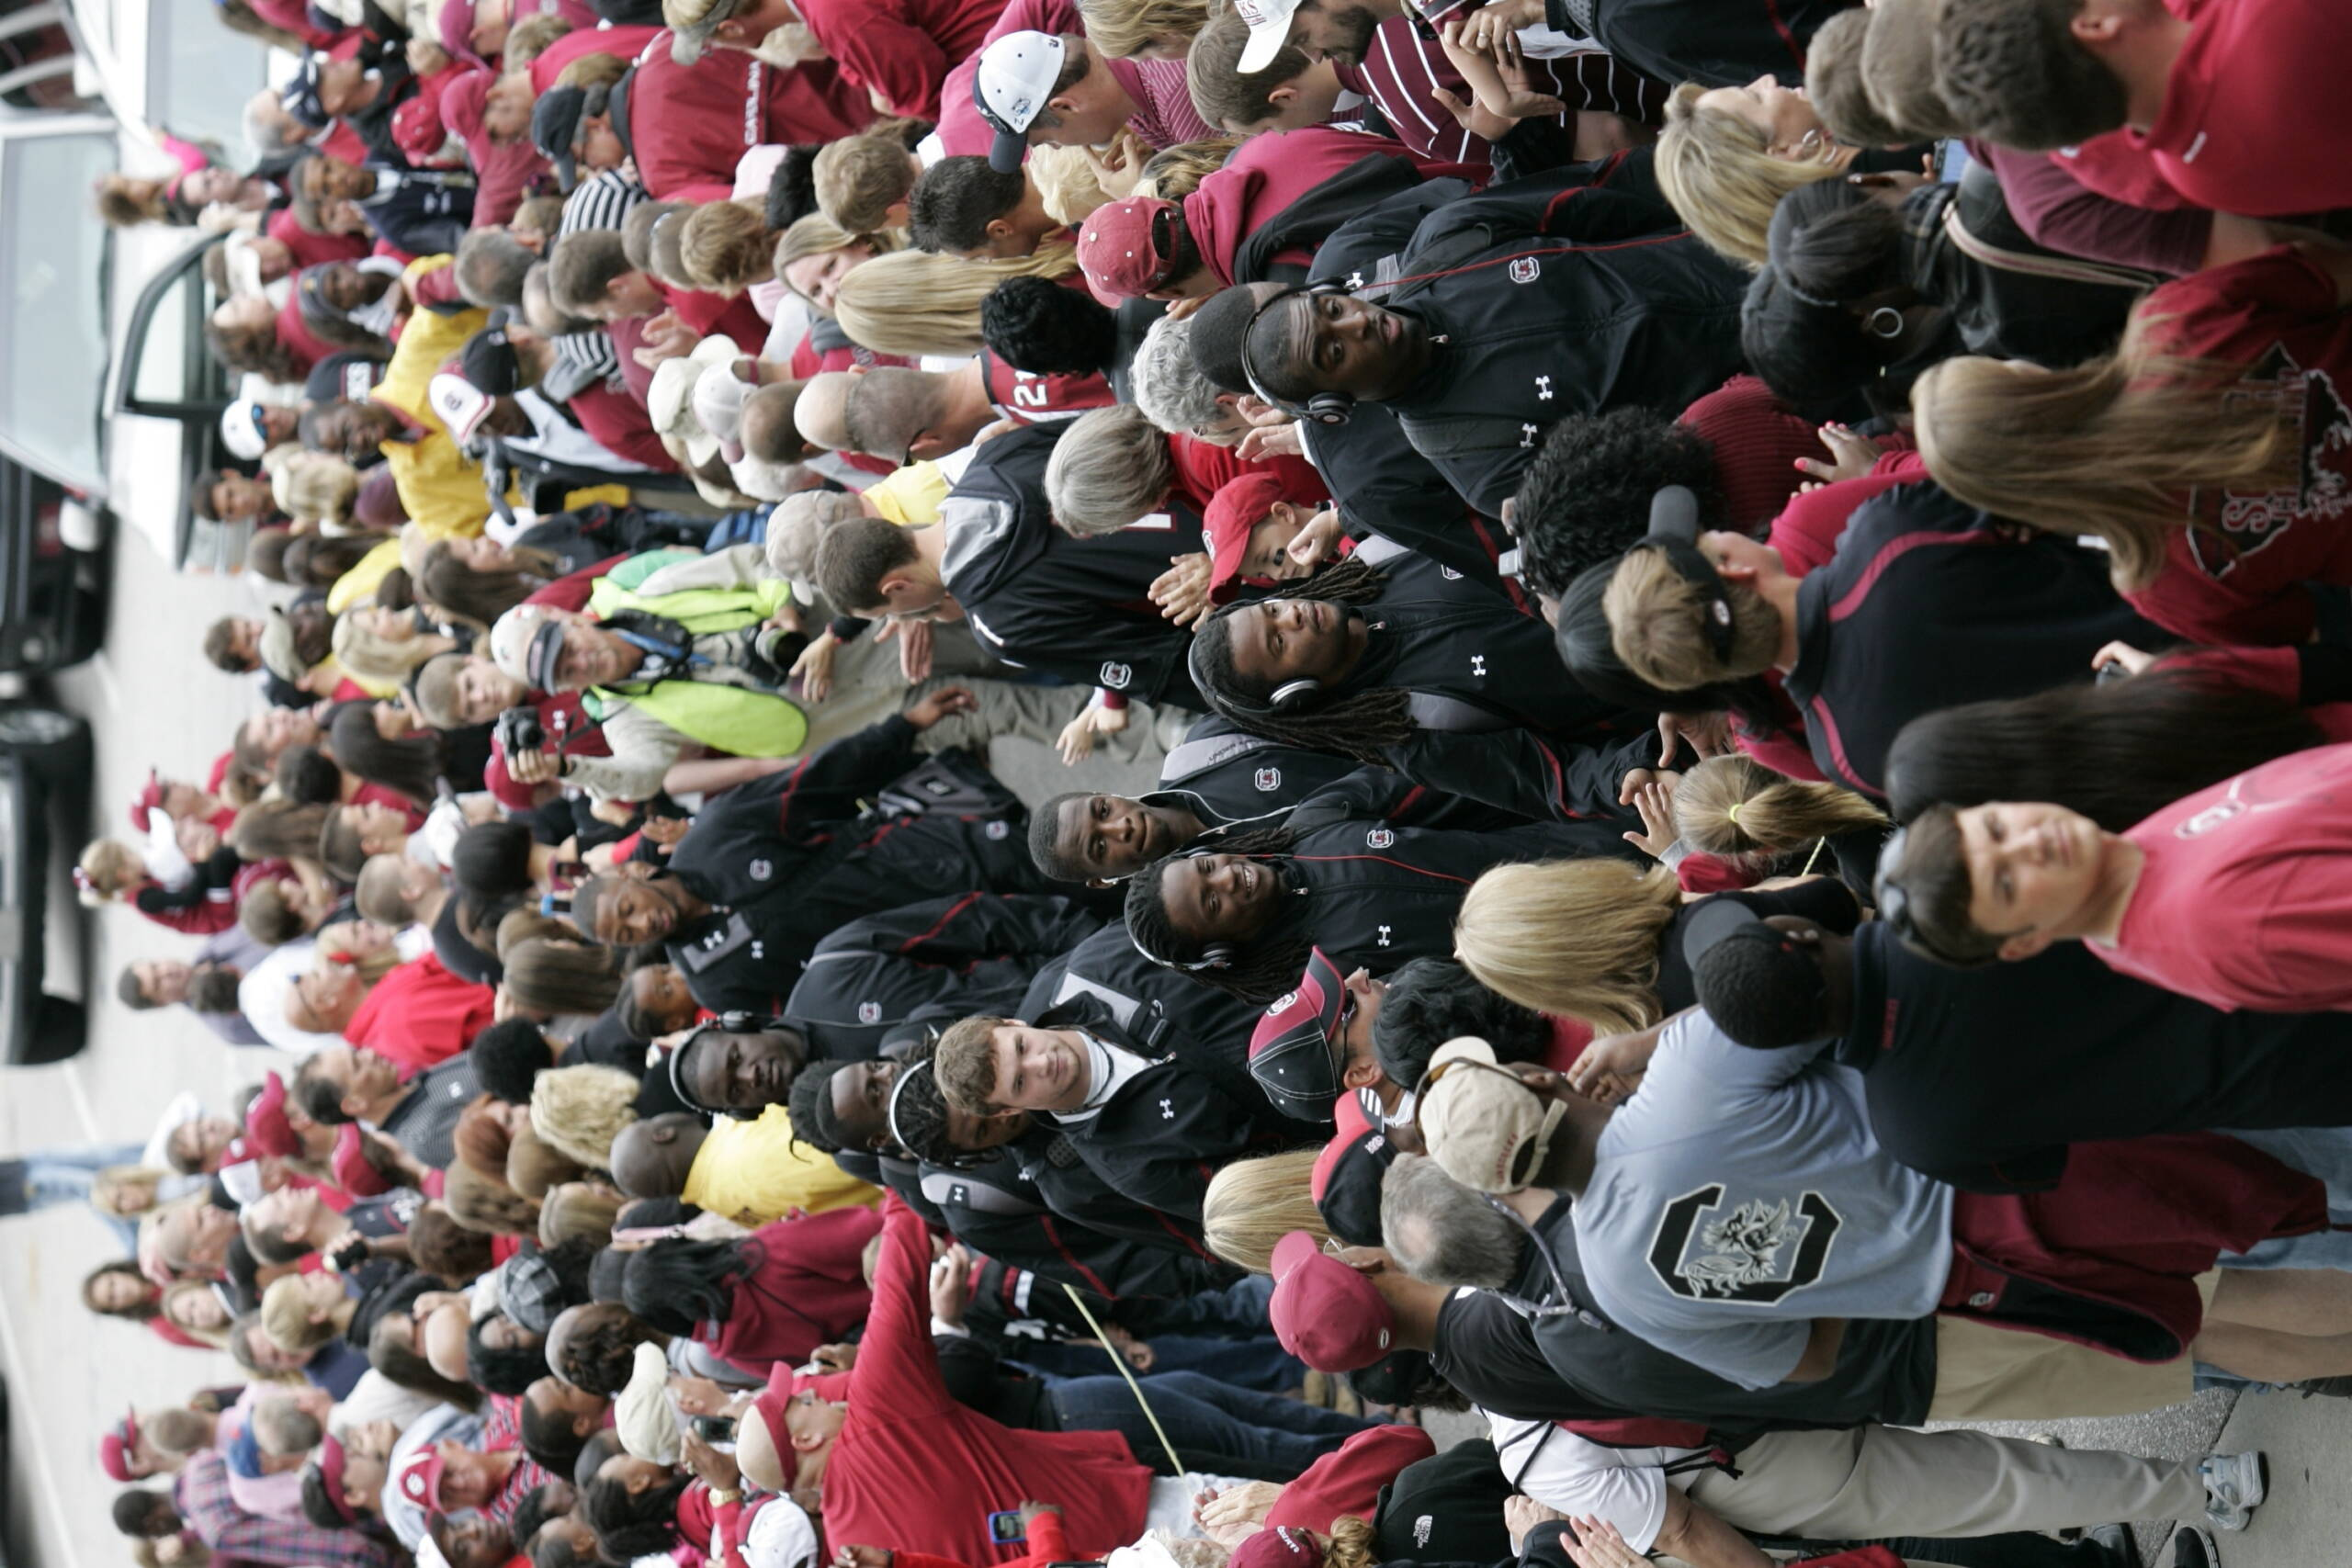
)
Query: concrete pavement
[{"x": 153, "y": 701}]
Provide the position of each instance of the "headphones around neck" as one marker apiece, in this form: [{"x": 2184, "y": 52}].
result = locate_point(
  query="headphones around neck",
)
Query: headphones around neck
[
  {"x": 1291, "y": 696},
  {"x": 1214, "y": 955},
  {"x": 1322, "y": 408},
  {"x": 731, "y": 1023}
]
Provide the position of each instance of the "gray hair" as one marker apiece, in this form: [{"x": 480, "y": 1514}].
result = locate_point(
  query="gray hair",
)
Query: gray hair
[
  {"x": 1110, "y": 468},
  {"x": 798, "y": 522},
  {"x": 491, "y": 267},
  {"x": 1441, "y": 1232},
  {"x": 1173, "y": 393}
]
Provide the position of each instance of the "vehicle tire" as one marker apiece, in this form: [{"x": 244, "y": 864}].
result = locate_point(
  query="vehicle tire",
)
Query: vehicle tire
[{"x": 61, "y": 1028}]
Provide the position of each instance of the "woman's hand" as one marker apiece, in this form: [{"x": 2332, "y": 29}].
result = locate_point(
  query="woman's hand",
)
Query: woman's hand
[
  {"x": 1119, "y": 165},
  {"x": 1709, "y": 734},
  {"x": 1234, "y": 1515},
  {"x": 1032, "y": 1508},
  {"x": 814, "y": 668},
  {"x": 1597, "y": 1544},
  {"x": 1851, "y": 457},
  {"x": 1610, "y": 1069},
  {"x": 1655, "y": 801},
  {"x": 1522, "y": 1514},
  {"x": 1494, "y": 30},
  {"x": 1182, "y": 591}
]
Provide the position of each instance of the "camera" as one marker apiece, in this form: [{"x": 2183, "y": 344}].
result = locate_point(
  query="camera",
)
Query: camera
[{"x": 519, "y": 731}]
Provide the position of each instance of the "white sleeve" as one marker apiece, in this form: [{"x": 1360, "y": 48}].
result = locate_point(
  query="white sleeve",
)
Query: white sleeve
[
  {"x": 186, "y": 1108},
  {"x": 643, "y": 749},
  {"x": 165, "y": 861},
  {"x": 1562, "y": 1471}
]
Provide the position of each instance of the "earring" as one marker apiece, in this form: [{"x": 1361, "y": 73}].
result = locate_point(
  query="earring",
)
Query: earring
[
  {"x": 1809, "y": 143},
  {"x": 1886, "y": 321}
]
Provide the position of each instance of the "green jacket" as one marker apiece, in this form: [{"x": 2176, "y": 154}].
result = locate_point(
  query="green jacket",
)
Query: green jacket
[{"x": 733, "y": 719}]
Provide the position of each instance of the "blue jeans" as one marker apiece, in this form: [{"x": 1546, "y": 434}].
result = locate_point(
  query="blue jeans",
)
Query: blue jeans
[
  {"x": 1214, "y": 1426},
  {"x": 1245, "y": 1363},
  {"x": 57, "y": 1175}
]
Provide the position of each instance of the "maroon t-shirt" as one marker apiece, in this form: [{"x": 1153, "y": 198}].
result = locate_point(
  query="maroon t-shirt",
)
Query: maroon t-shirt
[{"x": 691, "y": 124}]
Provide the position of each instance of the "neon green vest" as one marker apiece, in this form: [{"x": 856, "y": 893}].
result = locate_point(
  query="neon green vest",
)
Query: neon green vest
[{"x": 725, "y": 718}]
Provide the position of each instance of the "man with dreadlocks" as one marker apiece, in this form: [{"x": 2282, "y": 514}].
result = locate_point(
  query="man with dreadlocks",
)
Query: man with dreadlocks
[
  {"x": 1153, "y": 1128},
  {"x": 1244, "y": 918},
  {"x": 1412, "y": 667}
]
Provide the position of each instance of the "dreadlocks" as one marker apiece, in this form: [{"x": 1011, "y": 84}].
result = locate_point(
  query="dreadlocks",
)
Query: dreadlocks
[
  {"x": 810, "y": 1102},
  {"x": 1360, "y": 725},
  {"x": 919, "y": 1115},
  {"x": 1261, "y": 970}
]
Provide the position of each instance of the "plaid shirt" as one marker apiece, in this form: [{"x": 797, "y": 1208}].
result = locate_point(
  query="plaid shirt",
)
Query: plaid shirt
[{"x": 201, "y": 1494}]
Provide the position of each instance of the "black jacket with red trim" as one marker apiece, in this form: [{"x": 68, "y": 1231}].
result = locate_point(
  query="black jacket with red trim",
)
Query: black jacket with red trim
[
  {"x": 1598, "y": 299},
  {"x": 1169, "y": 1012},
  {"x": 1929, "y": 604},
  {"x": 1166, "y": 1131},
  {"x": 945, "y": 959},
  {"x": 1716, "y": 43}
]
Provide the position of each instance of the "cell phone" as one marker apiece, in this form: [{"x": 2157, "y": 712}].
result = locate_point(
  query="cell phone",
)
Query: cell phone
[
  {"x": 1951, "y": 162},
  {"x": 713, "y": 1428},
  {"x": 1005, "y": 1527}
]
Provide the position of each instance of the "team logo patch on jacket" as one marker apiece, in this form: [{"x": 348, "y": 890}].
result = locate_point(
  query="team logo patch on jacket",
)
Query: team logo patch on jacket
[
  {"x": 1526, "y": 269},
  {"x": 870, "y": 1012},
  {"x": 1114, "y": 675},
  {"x": 1268, "y": 778},
  {"x": 1758, "y": 1252},
  {"x": 1379, "y": 839},
  {"x": 760, "y": 870}
]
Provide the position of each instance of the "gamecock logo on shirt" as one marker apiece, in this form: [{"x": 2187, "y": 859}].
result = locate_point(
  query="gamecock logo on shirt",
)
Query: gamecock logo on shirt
[
  {"x": 1526, "y": 269},
  {"x": 1114, "y": 675},
  {"x": 1758, "y": 1252},
  {"x": 1268, "y": 778}
]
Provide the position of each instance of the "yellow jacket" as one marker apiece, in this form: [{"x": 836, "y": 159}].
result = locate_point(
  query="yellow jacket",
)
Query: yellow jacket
[{"x": 751, "y": 1172}]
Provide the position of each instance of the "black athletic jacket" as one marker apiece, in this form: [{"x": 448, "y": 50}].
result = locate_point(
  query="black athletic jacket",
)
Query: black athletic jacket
[
  {"x": 1004, "y": 1207},
  {"x": 1601, "y": 300},
  {"x": 1169, "y": 1129},
  {"x": 1929, "y": 604},
  {"x": 943, "y": 958},
  {"x": 1372, "y": 894},
  {"x": 1716, "y": 43},
  {"x": 1041, "y": 600},
  {"x": 1203, "y": 1028}
]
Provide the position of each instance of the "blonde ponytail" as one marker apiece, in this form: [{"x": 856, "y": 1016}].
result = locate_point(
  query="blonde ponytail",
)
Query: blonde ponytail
[{"x": 1736, "y": 808}]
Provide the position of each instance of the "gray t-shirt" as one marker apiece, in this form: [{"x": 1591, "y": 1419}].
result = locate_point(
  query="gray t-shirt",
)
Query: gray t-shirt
[{"x": 1740, "y": 1194}]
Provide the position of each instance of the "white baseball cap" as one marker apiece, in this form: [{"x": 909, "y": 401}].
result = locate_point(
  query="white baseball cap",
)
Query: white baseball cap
[
  {"x": 459, "y": 404},
  {"x": 1016, "y": 76},
  {"x": 1269, "y": 30},
  {"x": 241, "y": 431}
]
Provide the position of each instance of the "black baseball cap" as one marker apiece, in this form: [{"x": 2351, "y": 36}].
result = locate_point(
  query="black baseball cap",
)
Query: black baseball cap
[
  {"x": 1294, "y": 1051},
  {"x": 1348, "y": 1173},
  {"x": 554, "y": 126},
  {"x": 489, "y": 361}
]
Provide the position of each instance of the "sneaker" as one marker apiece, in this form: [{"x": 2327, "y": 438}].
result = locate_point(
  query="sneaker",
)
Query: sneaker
[
  {"x": 2192, "y": 1548},
  {"x": 2110, "y": 1546},
  {"x": 2235, "y": 1485},
  {"x": 2333, "y": 1388}
]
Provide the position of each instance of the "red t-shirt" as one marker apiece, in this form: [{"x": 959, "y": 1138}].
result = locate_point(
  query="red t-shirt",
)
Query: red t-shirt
[
  {"x": 2238, "y": 576},
  {"x": 2246, "y": 897},
  {"x": 619, "y": 424},
  {"x": 625, "y": 43},
  {"x": 1268, "y": 173},
  {"x": 1349, "y": 1480},
  {"x": 420, "y": 1015},
  {"x": 807, "y": 1288},
  {"x": 1203, "y": 469},
  {"x": 1757, "y": 440},
  {"x": 901, "y": 49},
  {"x": 691, "y": 124},
  {"x": 2253, "y": 119}
]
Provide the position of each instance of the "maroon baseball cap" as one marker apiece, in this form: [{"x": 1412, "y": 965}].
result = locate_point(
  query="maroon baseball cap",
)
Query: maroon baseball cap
[
  {"x": 114, "y": 1446},
  {"x": 419, "y": 1479},
  {"x": 417, "y": 130},
  {"x": 1238, "y": 505},
  {"x": 266, "y": 1127},
  {"x": 352, "y": 1171},
  {"x": 1128, "y": 248},
  {"x": 1324, "y": 1312},
  {"x": 1294, "y": 1051},
  {"x": 1277, "y": 1546},
  {"x": 1345, "y": 1183},
  {"x": 331, "y": 1472}
]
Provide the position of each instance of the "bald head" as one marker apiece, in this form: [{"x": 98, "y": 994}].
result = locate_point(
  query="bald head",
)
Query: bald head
[
  {"x": 885, "y": 413},
  {"x": 652, "y": 1158},
  {"x": 769, "y": 431}
]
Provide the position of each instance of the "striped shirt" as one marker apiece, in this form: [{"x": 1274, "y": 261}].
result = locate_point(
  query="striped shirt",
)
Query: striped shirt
[
  {"x": 1404, "y": 66},
  {"x": 200, "y": 1492},
  {"x": 600, "y": 201}
]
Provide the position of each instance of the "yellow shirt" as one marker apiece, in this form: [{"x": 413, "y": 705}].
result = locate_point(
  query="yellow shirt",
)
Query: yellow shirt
[
  {"x": 909, "y": 496},
  {"x": 751, "y": 1172},
  {"x": 362, "y": 580}
]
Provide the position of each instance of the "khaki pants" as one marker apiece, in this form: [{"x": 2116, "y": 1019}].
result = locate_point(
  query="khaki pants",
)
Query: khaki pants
[
  {"x": 1984, "y": 1373},
  {"x": 1885, "y": 1480}
]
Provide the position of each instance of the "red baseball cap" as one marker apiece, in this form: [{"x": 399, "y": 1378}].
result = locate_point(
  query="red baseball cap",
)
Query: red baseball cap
[
  {"x": 1294, "y": 1051},
  {"x": 1324, "y": 1312},
  {"x": 352, "y": 1171},
  {"x": 1128, "y": 248},
  {"x": 266, "y": 1127},
  {"x": 419, "y": 1479},
  {"x": 417, "y": 130},
  {"x": 331, "y": 1472},
  {"x": 1277, "y": 1546},
  {"x": 1345, "y": 1183},
  {"x": 1238, "y": 505},
  {"x": 114, "y": 1446}
]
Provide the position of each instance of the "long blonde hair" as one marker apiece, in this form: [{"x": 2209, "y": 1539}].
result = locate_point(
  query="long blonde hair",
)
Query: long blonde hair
[
  {"x": 913, "y": 302},
  {"x": 578, "y": 1208},
  {"x": 1719, "y": 172},
  {"x": 1736, "y": 808},
  {"x": 1067, "y": 183},
  {"x": 1253, "y": 1203},
  {"x": 370, "y": 657},
  {"x": 1575, "y": 938},
  {"x": 286, "y": 1319},
  {"x": 1174, "y": 172},
  {"x": 582, "y": 1110},
  {"x": 814, "y": 234},
  {"x": 1123, "y": 29},
  {"x": 2110, "y": 449}
]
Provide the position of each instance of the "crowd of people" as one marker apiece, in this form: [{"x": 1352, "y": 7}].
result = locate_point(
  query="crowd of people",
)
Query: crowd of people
[{"x": 1735, "y": 607}]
